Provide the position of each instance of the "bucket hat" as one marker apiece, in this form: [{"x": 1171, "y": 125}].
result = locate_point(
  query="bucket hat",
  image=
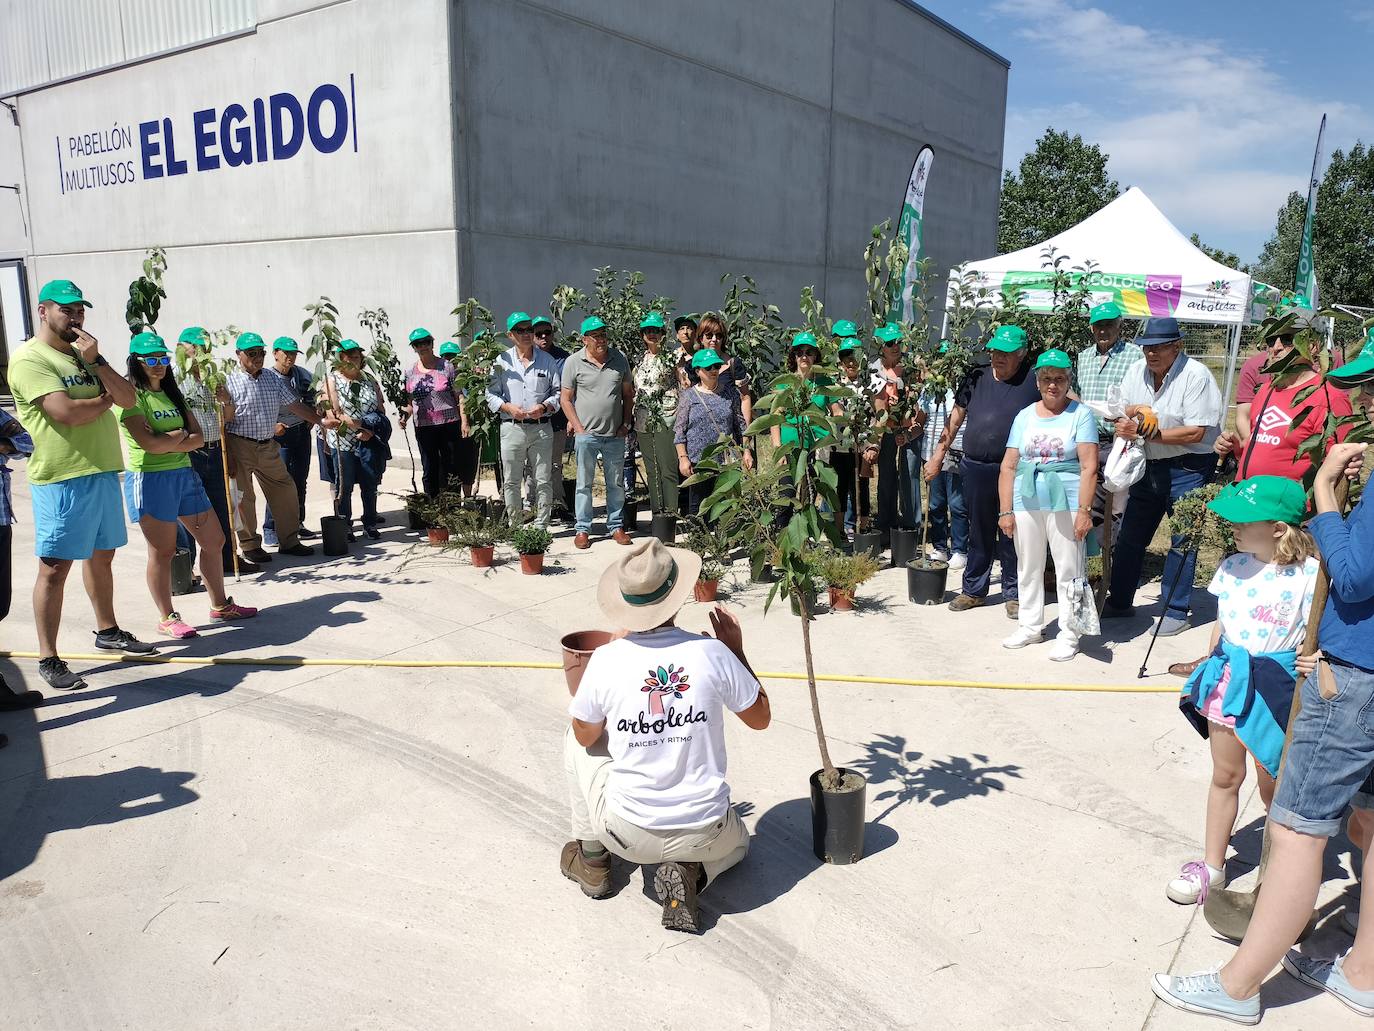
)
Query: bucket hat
[{"x": 646, "y": 587}]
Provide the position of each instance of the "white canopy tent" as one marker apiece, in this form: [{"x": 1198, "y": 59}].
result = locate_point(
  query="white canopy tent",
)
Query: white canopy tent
[{"x": 1143, "y": 263}]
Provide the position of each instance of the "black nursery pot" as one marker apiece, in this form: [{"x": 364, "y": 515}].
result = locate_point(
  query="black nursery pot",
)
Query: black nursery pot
[
  {"x": 416, "y": 521},
  {"x": 630, "y": 515},
  {"x": 664, "y": 527},
  {"x": 570, "y": 495},
  {"x": 183, "y": 575},
  {"x": 334, "y": 530},
  {"x": 837, "y": 818},
  {"x": 868, "y": 543},
  {"x": 903, "y": 547},
  {"x": 925, "y": 581}
]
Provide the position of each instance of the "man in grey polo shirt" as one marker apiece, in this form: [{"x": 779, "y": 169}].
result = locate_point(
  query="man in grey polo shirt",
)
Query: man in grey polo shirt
[
  {"x": 523, "y": 392},
  {"x": 1173, "y": 404},
  {"x": 599, "y": 401}
]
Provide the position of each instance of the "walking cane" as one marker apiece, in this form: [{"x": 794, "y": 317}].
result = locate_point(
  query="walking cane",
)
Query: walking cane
[
  {"x": 228, "y": 494},
  {"x": 1178, "y": 575},
  {"x": 1109, "y": 503}
]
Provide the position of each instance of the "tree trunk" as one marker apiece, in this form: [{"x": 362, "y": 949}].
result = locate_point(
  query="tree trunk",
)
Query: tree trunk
[
  {"x": 830, "y": 777},
  {"x": 405, "y": 432}
]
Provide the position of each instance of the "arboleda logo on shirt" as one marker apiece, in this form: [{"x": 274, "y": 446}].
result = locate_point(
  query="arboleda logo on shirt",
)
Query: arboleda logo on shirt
[
  {"x": 659, "y": 684},
  {"x": 1273, "y": 419}
]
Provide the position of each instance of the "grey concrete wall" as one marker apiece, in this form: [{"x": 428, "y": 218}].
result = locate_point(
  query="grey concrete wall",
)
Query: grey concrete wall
[{"x": 691, "y": 140}]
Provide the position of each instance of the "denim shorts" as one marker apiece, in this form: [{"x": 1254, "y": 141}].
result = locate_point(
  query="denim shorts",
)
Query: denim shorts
[
  {"x": 73, "y": 518},
  {"x": 164, "y": 494},
  {"x": 1331, "y": 756}
]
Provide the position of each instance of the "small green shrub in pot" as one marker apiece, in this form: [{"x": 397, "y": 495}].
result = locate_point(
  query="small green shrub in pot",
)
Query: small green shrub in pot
[
  {"x": 531, "y": 540},
  {"x": 844, "y": 573}
]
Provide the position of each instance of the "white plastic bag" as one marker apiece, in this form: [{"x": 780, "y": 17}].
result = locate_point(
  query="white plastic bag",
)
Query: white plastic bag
[
  {"x": 1078, "y": 612},
  {"x": 1124, "y": 466}
]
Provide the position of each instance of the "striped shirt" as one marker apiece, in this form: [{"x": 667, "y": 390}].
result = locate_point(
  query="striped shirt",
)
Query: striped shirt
[
  {"x": 22, "y": 443},
  {"x": 202, "y": 405},
  {"x": 1095, "y": 374},
  {"x": 257, "y": 402}
]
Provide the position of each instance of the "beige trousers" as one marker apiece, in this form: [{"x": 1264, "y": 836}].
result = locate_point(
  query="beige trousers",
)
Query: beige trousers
[
  {"x": 261, "y": 459},
  {"x": 717, "y": 846}
]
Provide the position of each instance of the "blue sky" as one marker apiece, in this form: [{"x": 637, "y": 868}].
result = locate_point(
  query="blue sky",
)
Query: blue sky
[{"x": 1210, "y": 107}]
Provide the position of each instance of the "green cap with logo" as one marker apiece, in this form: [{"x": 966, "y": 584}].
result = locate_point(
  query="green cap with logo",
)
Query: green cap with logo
[
  {"x": 1104, "y": 312},
  {"x": 653, "y": 320},
  {"x": 420, "y": 333},
  {"x": 349, "y": 345},
  {"x": 591, "y": 324},
  {"x": 889, "y": 334},
  {"x": 1261, "y": 499},
  {"x": 1053, "y": 359},
  {"x": 196, "y": 336},
  {"x": 147, "y": 343},
  {"x": 515, "y": 318},
  {"x": 804, "y": 339},
  {"x": 1359, "y": 369},
  {"x": 449, "y": 349},
  {"x": 1007, "y": 339},
  {"x": 248, "y": 341},
  {"x": 706, "y": 358},
  {"x": 844, "y": 328},
  {"x": 286, "y": 344},
  {"x": 541, "y": 320},
  {"x": 848, "y": 344},
  {"x": 62, "y": 291}
]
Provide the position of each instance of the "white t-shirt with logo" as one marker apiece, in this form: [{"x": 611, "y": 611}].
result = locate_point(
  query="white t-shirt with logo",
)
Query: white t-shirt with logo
[
  {"x": 1263, "y": 607},
  {"x": 663, "y": 695}
]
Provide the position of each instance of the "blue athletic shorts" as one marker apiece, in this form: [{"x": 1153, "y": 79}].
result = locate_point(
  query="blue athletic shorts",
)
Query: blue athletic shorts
[
  {"x": 73, "y": 518},
  {"x": 165, "y": 494}
]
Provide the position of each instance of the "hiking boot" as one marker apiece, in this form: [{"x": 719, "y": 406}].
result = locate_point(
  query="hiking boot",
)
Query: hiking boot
[
  {"x": 964, "y": 602},
  {"x": 117, "y": 640},
  {"x": 57, "y": 674},
  {"x": 676, "y": 885},
  {"x": 12, "y": 700},
  {"x": 593, "y": 876}
]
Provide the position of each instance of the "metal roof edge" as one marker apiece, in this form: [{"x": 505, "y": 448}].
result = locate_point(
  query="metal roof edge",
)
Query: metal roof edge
[{"x": 952, "y": 30}]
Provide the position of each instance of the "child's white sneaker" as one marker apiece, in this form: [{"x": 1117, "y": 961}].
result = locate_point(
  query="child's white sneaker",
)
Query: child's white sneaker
[
  {"x": 1022, "y": 637},
  {"x": 1193, "y": 882}
]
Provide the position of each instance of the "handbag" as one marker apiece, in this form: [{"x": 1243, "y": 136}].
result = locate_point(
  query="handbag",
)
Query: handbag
[{"x": 1078, "y": 612}]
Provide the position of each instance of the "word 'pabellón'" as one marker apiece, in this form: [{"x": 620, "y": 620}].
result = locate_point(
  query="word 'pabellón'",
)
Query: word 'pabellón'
[{"x": 275, "y": 130}]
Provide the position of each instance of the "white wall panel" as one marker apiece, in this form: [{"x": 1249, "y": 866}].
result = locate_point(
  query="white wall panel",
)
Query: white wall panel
[
  {"x": 153, "y": 26},
  {"x": 81, "y": 35}
]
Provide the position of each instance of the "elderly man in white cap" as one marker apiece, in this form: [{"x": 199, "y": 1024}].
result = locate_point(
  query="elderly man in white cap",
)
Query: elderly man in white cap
[{"x": 645, "y": 755}]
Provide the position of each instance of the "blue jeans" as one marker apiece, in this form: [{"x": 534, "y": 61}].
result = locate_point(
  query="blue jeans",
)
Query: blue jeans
[
  {"x": 295, "y": 455},
  {"x": 610, "y": 451},
  {"x": 986, "y": 541},
  {"x": 1152, "y": 497},
  {"x": 948, "y": 516},
  {"x": 352, "y": 471}
]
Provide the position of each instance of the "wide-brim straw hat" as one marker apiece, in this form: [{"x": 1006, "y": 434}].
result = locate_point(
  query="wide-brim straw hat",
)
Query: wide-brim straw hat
[{"x": 645, "y": 589}]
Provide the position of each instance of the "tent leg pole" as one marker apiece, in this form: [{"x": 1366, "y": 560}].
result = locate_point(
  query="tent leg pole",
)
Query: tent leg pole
[{"x": 1233, "y": 352}]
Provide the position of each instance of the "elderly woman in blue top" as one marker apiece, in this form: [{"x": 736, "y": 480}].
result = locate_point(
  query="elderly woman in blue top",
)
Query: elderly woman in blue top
[
  {"x": 1046, "y": 487},
  {"x": 1173, "y": 404},
  {"x": 1329, "y": 761}
]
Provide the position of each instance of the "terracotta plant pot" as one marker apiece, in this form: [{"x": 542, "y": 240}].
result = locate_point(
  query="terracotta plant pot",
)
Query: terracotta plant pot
[
  {"x": 841, "y": 601},
  {"x": 532, "y": 565},
  {"x": 705, "y": 590},
  {"x": 438, "y": 535},
  {"x": 577, "y": 649},
  {"x": 482, "y": 557}
]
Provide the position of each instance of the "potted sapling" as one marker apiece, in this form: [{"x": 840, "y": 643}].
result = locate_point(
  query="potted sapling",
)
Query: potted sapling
[
  {"x": 844, "y": 574},
  {"x": 531, "y": 542},
  {"x": 479, "y": 534},
  {"x": 323, "y": 350},
  {"x": 714, "y": 548}
]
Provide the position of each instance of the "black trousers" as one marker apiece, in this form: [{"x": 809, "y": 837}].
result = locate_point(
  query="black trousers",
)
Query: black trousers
[
  {"x": 985, "y": 540},
  {"x": 696, "y": 494},
  {"x": 843, "y": 462},
  {"x": 439, "y": 454},
  {"x": 6, "y": 579}
]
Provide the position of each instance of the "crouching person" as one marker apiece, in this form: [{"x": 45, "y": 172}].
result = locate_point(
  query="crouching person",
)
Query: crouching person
[{"x": 645, "y": 755}]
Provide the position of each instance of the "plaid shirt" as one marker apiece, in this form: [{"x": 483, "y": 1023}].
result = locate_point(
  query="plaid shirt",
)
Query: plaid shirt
[
  {"x": 23, "y": 446},
  {"x": 202, "y": 406},
  {"x": 257, "y": 402},
  {"x": 1094, "y": 375}
]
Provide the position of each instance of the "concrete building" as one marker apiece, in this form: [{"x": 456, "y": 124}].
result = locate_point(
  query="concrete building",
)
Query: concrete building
[{"x": 409, "y": 154}]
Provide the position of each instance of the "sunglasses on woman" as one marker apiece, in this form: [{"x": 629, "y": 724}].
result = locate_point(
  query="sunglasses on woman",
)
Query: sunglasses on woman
[
  {"x": 713, "y": 336},
  {"x": 153, "y": 360}
]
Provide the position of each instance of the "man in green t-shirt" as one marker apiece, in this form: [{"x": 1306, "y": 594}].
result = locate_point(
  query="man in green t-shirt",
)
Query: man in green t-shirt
[{"x": 64, "y": 389}]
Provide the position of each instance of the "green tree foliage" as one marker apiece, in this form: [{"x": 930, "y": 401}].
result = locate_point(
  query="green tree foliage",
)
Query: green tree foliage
[
  {"x": 1216, "y": 253},
  {"x": 1341, "y": 236},
  {"x": 1058, "y": 184}
]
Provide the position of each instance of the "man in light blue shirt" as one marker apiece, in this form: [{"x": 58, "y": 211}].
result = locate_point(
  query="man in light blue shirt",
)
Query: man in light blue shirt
[{"x": 524, "y": 393}]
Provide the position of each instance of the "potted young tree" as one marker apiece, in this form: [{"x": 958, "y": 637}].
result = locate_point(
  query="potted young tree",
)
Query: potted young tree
[
  {"x": 714, "y": 548},
  {"x": 386, "y": 365},
  {"x": 323, "y": 350},
  {"x": 479, "y": 534},
  {"x": 531, "y": 542}
]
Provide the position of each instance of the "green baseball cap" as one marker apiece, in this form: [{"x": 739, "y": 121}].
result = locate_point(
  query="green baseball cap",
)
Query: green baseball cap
[
  {"x": 1053, "y": 359},
  {"x": 541, "y": 320},
  {"x": 62, "y": 291},
  {"x": 1007, "y": 339},
  {"x": 685, "y": 320},
  {"x": 449, "y": 348},
  {"x": 1104, "y": 312},
  {"x": 196, "y": 336},
  {"x": 349, "y": 345},
  {"x": 286, "y": 344},
  {"x": 420, "y": 333},
  {"x": 805, "y": 339},
  {"x": 705, "y": 358},
  {"x": 1359, "y": 369},
  {"x": 844, "y": 328},
  {"x": 848, "y": 344},
  {"x": 147, "y": 343},
  {"x": 1260, "y": 499},
  {"x": 515, "y": 318},
  {"x": 591, "y": 324},
  {"x": 944, "y": 347},
  {"x": 889, "y": 334},
  {"x": 652, "y": 321},
  {"x": 248, "y": 341}
]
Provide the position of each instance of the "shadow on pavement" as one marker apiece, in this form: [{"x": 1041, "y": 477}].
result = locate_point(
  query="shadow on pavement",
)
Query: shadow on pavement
[{"x": 886, "y": 760}]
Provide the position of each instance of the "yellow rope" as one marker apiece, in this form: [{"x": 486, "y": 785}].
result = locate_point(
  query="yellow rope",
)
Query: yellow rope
[{"x": 833, "y": 678}]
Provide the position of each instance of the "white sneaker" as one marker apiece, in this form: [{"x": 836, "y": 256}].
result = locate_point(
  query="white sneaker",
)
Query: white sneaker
[
  {"x": 1022, "y": 637},
  {"x": 1063, "y": 651},
  {"x": 958, "y": 560},
  {"x": 1187, "y": 889},
  {"x": 939, "y": 555}
]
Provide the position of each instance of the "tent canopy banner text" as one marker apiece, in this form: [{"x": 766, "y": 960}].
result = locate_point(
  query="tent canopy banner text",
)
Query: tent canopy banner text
[{"x": 1140, "y": 295}]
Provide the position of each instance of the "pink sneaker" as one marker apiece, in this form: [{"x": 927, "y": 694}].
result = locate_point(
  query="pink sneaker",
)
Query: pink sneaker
[
  {"x": 232, "y": 611},
  {"x": 174, "y": 626}
]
